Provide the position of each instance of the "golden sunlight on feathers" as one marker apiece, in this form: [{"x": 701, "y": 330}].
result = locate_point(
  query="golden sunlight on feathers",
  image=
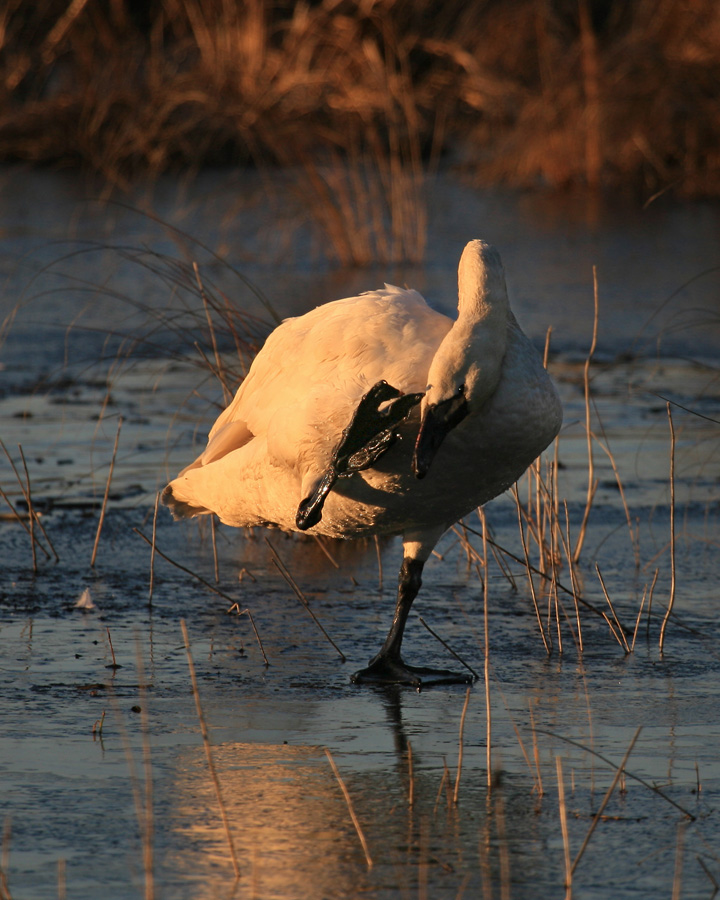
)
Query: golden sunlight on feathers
[{"x": 489, "y": 411}]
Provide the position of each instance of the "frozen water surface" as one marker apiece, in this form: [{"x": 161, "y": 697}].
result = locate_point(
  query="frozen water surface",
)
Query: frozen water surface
[{"x": 105, "y": 782}]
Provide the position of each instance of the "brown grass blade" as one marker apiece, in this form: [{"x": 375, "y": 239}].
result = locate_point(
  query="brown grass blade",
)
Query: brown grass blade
[{"x": 208, "y": 752}]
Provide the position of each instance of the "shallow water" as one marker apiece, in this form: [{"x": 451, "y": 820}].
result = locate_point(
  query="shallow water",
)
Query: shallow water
[{"x": 74, "y": 794}]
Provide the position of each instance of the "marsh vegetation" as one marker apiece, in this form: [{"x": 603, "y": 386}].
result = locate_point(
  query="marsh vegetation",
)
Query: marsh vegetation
[{"x": 365, "y": 98}]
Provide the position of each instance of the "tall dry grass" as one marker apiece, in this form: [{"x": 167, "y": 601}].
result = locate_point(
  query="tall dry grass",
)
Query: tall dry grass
[{"x": 363, "y": 96}]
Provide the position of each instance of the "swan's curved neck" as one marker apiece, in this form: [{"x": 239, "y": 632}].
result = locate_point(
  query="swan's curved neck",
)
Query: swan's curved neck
[
  {"x": 481, "y": 285},
  {"x": 469, "y": 359}
]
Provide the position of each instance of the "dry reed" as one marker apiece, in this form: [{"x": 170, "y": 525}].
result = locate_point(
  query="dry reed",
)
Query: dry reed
[
  {"x": 411, "y": 776},
  {"x": 115, "y": 664},
  {"x": 671, "y": 601},
  {"x": 486, "y": 655},
  {"x": 651, "y": 787},
  {"x": 208, "y": 753},
  {"x": 564, "y": 827},
  {"x": 283, "y": 570},
  {"x": 106, "y": 495},
  {"x": 456, "y": 789},
  {"x": 448, "y": 647},
  {"x": 606, "y": 799},
  {"x": 592, "y": 482},
  {"x": 207, "y": 584},
  {"x": 33, "y": 517},
  {"x": 142, "y": 799},
  {"x": 361, "y": 98},
  {"x": 148, "y": 821},
  {"x": 152, "y": 548},
  {"x": 351, "y": 809}
]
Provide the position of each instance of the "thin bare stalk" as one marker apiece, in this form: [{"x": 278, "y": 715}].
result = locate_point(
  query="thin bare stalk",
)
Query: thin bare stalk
[
  {"x": 152, "y": 549},
  {"x": 528, "y": 568},
  {"x": 31, "y": 511},
  {"x": 634, "y": 532},
  {"x": 456, "y": 791},
  {"x": 182, "y": 568},
  {"x": 448, "y": 648},
  {"x": 411, "y": 776},
  {"x": 592, "y": 484},
  {"x": 282, "y": 569},
  {"x": 679, "y": 849},
  {"x": 351, "y": 810},
  {"x": 60, "y": 29},
  {"x": 564, "y": 825},
  {"x": 246, "y": 611},
  {"x": 711, "y": 877},
  {"x": 637, "y": 621},
  {"x": 107, "y": 494},
  {"x": 325, "y": 550},
  {"x": 4, "y": 887},
  {"x": 605, "y": 801},
  {"x": 536, "y": 752},
  {"x": 208, "y": 751},
  {"x": 503, "y": 850},
  {"x": 486, "y": 668},
  {"x": 148, "y": 818},
  {"x": 672, "y": 531},
  {"x": 609, "y": 762},
  {"x": 650, "y": 600},
  {"x": 219, "y": 369},
  {"x": 566, "y": 544},
  {"x": 379, "y": 562},
  {"x": 207, "y": 584},
  {"x": 32, "y": 516},
  {"x": 620, "y": 628},
  {"x": 115, "y": 663},
  {"x": 213, "y": 536},
  {"x": 443, "y": 781},
  {"x": 535, "y": 571},
  {"x": 546, "y": 351},
  {"x": 19, "y": 518}
]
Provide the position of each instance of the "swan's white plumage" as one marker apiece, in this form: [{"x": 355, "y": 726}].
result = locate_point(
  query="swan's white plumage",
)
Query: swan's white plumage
[{"x": 273, "y": 442}]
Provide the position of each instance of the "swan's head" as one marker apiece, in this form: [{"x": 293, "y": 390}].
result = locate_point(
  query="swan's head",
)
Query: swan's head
[
  {"x": 467, "y": 366},
  {"x": 447, "y": 402}
]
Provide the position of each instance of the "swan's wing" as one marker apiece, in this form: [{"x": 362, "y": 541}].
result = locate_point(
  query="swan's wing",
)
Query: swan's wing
[{"x": 305, "y": 383}]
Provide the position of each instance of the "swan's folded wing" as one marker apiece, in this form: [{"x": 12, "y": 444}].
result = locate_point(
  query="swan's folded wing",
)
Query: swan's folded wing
[
  {"x": 229, "y": 437},
  {"x": 224, "y": 440}
]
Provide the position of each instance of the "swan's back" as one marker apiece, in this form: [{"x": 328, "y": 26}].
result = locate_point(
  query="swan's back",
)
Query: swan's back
[{"x": 312, "y": 371}]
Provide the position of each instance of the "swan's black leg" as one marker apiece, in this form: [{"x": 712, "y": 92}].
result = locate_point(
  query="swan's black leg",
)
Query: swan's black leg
[
  {"x": 369, "y": 435},
  {"x": 388, "y": 667}
]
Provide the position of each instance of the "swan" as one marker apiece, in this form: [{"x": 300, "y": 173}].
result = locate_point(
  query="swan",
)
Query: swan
[{"x": 376, "y": 415}]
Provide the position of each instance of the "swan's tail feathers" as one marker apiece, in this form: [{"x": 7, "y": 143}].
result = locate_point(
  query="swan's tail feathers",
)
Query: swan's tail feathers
[{"x": 179, "y": 508}]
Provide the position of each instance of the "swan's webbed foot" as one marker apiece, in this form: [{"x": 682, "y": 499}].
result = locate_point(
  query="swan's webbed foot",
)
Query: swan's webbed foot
[
  {"x": 386, "y": 670},
  {"x": 369, "y": 435},
  {"x": 371, "y": 431}
]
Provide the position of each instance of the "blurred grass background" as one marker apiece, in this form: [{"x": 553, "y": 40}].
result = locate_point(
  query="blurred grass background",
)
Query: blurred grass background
[{"x": 366, "y": 97}]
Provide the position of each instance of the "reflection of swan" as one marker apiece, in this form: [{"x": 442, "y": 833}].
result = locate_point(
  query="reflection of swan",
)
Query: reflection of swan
[
  {"x": 291, "y": 829},
  {"x": 318, "y": 404}
]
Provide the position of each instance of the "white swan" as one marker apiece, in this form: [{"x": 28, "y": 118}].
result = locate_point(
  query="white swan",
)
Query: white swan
[{"x": 322, "y": 434}]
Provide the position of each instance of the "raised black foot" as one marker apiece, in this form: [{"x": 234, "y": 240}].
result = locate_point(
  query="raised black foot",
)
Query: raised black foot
[
  {"x": 371, "y": 431},
  {"x": 369, "y": 435},
  {"x": 383, "y": 670}
]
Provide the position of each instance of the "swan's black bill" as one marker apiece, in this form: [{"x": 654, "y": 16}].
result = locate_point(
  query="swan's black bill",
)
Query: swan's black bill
[{"x": 438, "y": 420}]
